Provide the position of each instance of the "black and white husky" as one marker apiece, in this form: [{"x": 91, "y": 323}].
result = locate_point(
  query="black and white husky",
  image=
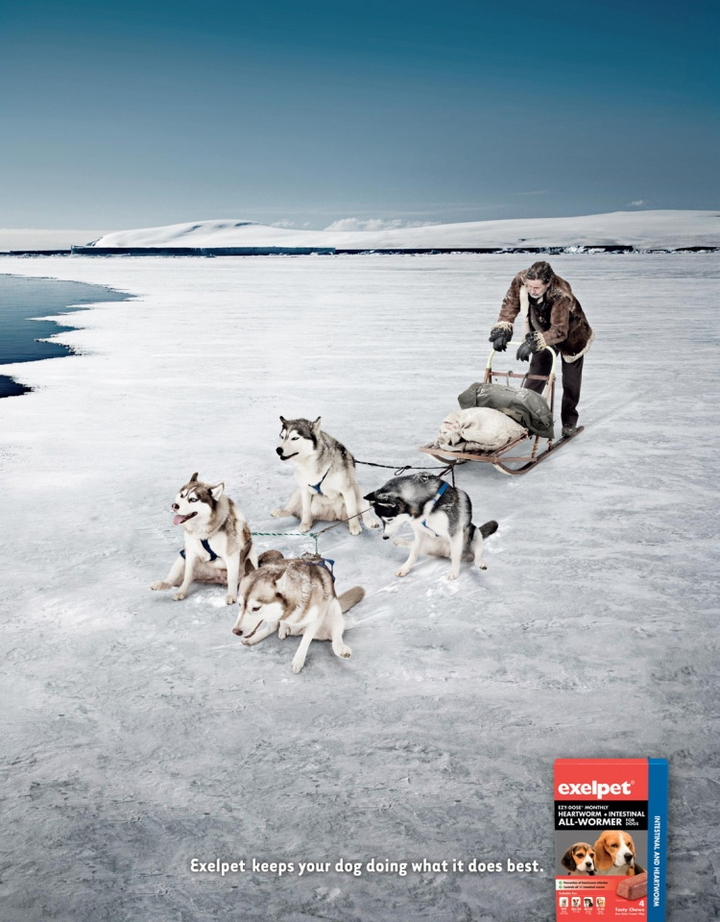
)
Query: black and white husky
[
  {"x": 440, "y": 517},
  {"x": 325, "y": 475},
  {"x": 217, "y": 540}
]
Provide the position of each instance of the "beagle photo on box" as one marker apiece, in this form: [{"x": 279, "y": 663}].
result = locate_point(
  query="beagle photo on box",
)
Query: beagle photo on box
[
  {"x": 579, "y": 860},
  {"x": 615, "y": 854}
]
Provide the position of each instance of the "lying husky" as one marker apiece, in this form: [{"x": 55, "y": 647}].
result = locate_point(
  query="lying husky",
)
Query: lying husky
[
  {"x": 294, "y": 596},
  {"x": 217, "y": 540},
  {"x": 440, "y": 517},
  {"x": 325, "y": 474}
]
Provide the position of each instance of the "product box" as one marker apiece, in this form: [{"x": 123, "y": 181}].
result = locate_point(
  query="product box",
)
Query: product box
[{"x": 610, "y": 839}]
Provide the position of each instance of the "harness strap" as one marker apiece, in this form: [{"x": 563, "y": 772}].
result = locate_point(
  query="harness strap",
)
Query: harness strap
[
  {"x": 206, "y": 544},
  {"x": 316, "y": 486},
  {"x": 435, "y": 499},
  {"x": 324, "y": 562}
]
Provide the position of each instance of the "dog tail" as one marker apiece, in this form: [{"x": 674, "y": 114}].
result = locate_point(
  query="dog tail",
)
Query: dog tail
[
  {"x": 351, "y": 597},
  {"x": 489, "y": 528}
]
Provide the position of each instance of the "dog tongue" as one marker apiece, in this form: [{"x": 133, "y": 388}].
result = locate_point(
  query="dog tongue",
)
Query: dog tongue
[{"x": 178, "y": 519}]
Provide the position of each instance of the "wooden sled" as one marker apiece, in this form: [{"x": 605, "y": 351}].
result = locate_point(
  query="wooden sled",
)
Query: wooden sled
[{"x": 529, "y": 449}]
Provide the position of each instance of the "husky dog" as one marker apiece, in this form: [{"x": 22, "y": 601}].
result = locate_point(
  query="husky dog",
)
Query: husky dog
[
  {"x": 217, "y": 540},
  {"x": 440, "y": 517},
  {"x": 325, "y": 474},
  {"x": 294, "y": 596}
]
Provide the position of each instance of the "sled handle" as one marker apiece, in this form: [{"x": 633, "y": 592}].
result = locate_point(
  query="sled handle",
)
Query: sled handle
[{"x": 550, "y": 377}]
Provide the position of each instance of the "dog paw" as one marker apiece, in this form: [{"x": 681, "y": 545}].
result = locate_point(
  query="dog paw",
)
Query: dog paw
[
  {"x": 481, "y": 566},
  {"x": 179, "y": 596},
  {"x": 373, "y": 523},
  {"x": 279, "y": 513},
  {"x": 305, "y": 527},
  {"x": 230, "y": 599},
  {"x": 297, "y": 665},
  {"x": 401, "y": 542},
  {"x": 160, "y": 584},
  {"x": 401, "y": 572},
  {"x": 452, "y": 575},
  {"x": 344, "y": 652},
  {"x": 283, "y": 631},
  {"x": 354, "y": 527}
]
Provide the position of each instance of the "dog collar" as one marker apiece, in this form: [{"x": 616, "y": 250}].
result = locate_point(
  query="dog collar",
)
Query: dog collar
[
  {"x": 316, "y": 486},
  {"x": 206, "y": 544}
]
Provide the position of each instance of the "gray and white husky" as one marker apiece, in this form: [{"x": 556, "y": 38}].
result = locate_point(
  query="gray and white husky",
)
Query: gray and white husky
[
  {"x": 217, "y": 540},
  {"x": 294, "y": 596},
  {"x": 325, "y": 475},
  {"x": 440, "y": 517}
]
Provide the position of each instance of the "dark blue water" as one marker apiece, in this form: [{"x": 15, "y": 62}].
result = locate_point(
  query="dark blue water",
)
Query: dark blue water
[{"x": 22, "y": 299}]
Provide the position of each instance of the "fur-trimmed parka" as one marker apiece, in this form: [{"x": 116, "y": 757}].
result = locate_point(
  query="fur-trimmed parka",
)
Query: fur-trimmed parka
[{"x": 565, "y": 326}]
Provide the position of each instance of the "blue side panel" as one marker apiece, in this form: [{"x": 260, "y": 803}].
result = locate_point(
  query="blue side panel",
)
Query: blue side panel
[{"x": 657, "y": 838}]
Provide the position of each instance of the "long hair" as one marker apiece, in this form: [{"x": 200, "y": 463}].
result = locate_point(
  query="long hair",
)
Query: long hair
[{"x": 541, "y": 271}]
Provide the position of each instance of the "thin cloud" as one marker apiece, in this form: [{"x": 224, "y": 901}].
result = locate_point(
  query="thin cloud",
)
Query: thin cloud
[
  {"x": 534, "y": 192},
  {"x": 638, "y": 203}
]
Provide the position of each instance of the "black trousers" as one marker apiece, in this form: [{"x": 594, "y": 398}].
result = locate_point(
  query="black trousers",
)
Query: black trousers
[{"x": 540, "y": 364}]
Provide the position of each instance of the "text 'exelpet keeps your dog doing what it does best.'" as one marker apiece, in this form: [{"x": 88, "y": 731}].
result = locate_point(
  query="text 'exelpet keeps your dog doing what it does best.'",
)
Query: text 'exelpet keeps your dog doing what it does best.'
[{"x": 358, "y": 868}]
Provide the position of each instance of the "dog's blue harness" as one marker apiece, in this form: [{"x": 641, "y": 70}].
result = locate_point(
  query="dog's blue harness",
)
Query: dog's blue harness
[
  {"x": 324, "y": 562},
  {"x": 206, "y": 544},
  {"x": 437, "y": 496},
  {"x": 316, "y": 486}
]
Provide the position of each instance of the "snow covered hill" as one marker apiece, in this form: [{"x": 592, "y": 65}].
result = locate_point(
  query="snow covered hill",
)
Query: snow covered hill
[{"x": 640, "y": 229}]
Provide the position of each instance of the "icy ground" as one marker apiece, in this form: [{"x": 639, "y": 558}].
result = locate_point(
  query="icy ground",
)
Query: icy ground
[{"x": 139, "y": 733}]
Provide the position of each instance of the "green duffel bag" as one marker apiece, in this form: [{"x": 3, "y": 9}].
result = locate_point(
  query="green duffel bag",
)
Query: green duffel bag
[{"x": 526, "y": 407}]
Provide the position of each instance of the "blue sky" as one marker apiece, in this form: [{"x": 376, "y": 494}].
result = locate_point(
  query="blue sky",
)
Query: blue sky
[{"x": 119, "y": 115}]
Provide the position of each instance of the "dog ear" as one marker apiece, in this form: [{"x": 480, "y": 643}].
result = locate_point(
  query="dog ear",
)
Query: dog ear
[
  {"x": 281, "y": 584},
  {"x": 283, "y": 421},
  {"x": 194, "y": 478},
  {"x": 602, "y": 856},
  {"x": 267, "y": 556},
  {"x": 249, "y": 567},
  {"x": 567, "y": 860},
  {"x": 217, "y": 491},
  {"x": 316, "y": 424}
]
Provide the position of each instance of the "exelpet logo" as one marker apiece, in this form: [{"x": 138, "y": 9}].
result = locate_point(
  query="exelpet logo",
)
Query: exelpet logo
[
  {"x": 601, "y": 779},
  {"x": 597, "y": 788}
]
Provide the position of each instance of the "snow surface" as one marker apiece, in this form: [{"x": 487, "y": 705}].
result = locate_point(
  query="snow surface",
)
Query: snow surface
[
  {"x": 139, "y": 733},
  {"x": 651, "y": 229}
]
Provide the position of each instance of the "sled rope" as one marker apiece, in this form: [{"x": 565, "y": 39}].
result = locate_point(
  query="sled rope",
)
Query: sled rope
[
  {"x": 405, "y": 467},
  {"x": 291, "y": 534},
  {"x": 310, "y": 534}
]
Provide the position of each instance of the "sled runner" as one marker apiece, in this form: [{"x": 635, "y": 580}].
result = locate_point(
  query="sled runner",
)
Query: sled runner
[{"x": 525, "y": 450}]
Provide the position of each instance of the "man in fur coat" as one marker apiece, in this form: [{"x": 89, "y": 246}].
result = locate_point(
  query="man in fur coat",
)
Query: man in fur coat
[{"x": 551, "y": 316}]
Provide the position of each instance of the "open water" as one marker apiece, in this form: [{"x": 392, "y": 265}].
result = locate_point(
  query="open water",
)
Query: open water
[{"x": 22, "y": 337}]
